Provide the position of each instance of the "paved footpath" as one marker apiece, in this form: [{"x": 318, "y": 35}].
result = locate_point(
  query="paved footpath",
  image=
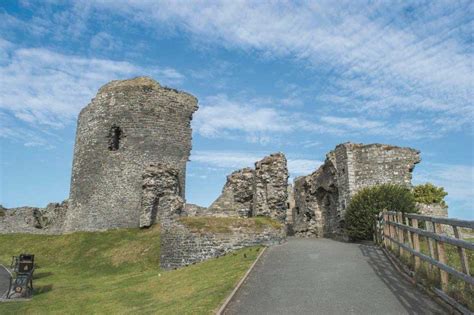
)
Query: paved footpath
[
  {"x": 4, "y": 281},
  {"x": 322, "y": 276}
]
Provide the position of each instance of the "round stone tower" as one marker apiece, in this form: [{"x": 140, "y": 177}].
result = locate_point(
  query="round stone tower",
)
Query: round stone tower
[{"x": 128, "y": 126}]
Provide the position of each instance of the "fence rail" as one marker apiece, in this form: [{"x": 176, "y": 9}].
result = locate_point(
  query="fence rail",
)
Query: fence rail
[{"x": 400, "y": 233}]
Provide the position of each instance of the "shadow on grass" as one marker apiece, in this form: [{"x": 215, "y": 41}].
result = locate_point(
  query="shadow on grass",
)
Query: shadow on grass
[
  {"x": 409, "y": 296},
  {"x": 41, "y": 275},
  {"x": 43, "y": 289}
]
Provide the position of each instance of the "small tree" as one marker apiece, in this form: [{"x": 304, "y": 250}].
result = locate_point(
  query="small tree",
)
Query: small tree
[
  {"x": 360, "y": 215},
  {"x": 429, "y": 194}
]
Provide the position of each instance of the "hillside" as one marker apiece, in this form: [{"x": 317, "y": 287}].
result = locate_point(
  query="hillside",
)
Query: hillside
[{"x": 117, "y": 272}]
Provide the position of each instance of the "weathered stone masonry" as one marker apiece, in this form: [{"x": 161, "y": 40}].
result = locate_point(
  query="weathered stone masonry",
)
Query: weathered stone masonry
[
  {"x": 49, "y": 220},
  {"x": 128, "y": 126},
  {"x": 262, "y": 191},
  {"x": 181, "y": 246},
  {"x": 321, "y": 198}
]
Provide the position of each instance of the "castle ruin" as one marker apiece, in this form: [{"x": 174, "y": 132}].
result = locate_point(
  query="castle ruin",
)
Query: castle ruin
[
  {"x": 128, "y": 126},
  {"x": 132, "y": 145},
  {"x": 262, "y": 191},
  {"x": 321, "y": 198}
]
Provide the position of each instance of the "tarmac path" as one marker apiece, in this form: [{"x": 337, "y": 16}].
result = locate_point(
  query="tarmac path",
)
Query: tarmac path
[
  {"x": 4, "y": 281},
  {"x": 322, "y": 276}
]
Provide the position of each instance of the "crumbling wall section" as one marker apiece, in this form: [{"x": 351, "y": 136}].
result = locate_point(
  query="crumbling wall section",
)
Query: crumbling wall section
[
  {"x": 160, "y": 181},
  {"x": 237, "y": 195},
  {"x": 49, "y": 220},
  {"x": 270, "y": 197},
  {"x": 180, "y": 246},
  {"x": 433, "y": 209},
  {"x": 323, "y": 196},
  {"x": 317, "y": 198},
  {"x": 262, "y": 191}
]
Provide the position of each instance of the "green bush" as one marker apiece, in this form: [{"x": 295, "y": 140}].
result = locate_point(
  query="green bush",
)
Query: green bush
[
  {"x": 429, "y": 193},
  {"x": 360, "y": 215}
]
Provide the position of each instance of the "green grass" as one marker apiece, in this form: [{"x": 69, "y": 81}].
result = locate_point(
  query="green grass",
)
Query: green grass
[
  {"x": 226, "y": 225},
  {"x": 117, "y": 272}
]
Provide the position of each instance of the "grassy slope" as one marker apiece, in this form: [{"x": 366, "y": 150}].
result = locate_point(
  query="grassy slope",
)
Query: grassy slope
[
  {"x": 117, "y": 272},
  {"x": 226, "y": 224}
]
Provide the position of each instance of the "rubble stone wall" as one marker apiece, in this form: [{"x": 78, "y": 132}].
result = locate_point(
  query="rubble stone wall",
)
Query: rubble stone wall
[
  {"x": 262, "y": 191},
  {"x": 182, "y": 247},
  {"x": 49, "y": 220},
  {"x": 129, "y": 125},
  {"x": 237, "y": 195},
  {"x": 322, "y": 197},
  {"x": 270, "y": 194},
  {"x": 434, "y": 209}
]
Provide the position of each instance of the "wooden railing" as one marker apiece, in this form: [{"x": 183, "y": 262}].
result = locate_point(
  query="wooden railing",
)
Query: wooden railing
[{"x": 401, "y": 232}]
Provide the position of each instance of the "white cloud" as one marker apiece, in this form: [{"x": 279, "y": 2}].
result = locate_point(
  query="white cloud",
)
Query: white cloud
[
  {"x": 218, "y": 116},
  {"x": 232, "y": 160},
  {"x": 457, "y": 180},
  {"x": 383, "y": 59},
  {"x": 105, "y": 41},
  {"x": 42, "y": 87},
  {"x": 298, "y": 167}
]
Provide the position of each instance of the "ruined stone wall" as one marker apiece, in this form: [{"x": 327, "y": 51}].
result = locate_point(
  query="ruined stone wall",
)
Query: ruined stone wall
[
  {"x": 262, "y": 191},
  {"x": 237, "y": 195},
  {"x": 129, "y": 125},
  {"x": 270, "y": 197},
  {"x": 433, "y": 209},
  {"x": 49, "y": 220},
  {"x": 180, "y": 246},
  {"x": 323, "y": 196},
  {"x": 316, "y": 202},
  {"x": 160, "y": 194}
]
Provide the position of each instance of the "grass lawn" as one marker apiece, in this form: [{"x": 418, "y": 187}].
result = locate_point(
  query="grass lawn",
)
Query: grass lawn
[
  {"x": 225, "y": 225},
  {"x": 117, "y": 272}
]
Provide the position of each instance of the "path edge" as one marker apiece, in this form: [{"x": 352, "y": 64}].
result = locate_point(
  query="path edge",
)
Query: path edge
[
  {"x": 3, "y": 298},
  {"x": 241, "y": 282}
]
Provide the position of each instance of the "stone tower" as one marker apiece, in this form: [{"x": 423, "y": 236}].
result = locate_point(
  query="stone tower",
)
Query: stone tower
[{"x": 128, "y": 126}]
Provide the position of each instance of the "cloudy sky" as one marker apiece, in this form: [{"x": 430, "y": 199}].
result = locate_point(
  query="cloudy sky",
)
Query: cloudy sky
[{"x": 291, "y": 76}]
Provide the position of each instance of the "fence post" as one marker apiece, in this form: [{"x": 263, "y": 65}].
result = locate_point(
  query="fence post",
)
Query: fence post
[
  {"x": 410, "y": 238},
  {"x": 385, "y": 229},
  {"x": 430, "y": 228},
  {"x": 416, "y": 244},
  {"x": 401, "y": 233},
  {"x": 392, "y": 231},
  {"x": 462, "y": 252},
  {"x": 441, "y": 259},
  {"x": 376, "y": 223}
]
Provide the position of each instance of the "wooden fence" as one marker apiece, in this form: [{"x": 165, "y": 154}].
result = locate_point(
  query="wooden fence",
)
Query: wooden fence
[{"x": 400, "y": 233}]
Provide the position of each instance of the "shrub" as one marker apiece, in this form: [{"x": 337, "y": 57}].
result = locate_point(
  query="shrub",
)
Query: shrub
[
  {"x": 360, "y": 215},
  {"x": 429, "y": 193}
]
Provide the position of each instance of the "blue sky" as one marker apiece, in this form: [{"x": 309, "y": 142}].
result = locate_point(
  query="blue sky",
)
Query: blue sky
[{"x": 297, "y": 77}]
